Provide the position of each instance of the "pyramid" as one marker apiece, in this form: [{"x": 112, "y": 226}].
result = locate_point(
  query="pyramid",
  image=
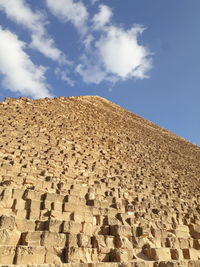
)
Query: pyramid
[{"x": 83, "y": 182}]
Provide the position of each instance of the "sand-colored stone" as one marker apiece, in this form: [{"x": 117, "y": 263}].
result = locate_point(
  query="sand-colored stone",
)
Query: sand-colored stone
[{"x": 84, "y": 182}]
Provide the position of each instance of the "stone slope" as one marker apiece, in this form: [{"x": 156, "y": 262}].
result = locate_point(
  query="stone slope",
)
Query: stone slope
[{"x": 84, "y": 181}]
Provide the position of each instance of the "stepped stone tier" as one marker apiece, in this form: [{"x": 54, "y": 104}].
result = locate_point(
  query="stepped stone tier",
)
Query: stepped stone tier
[{"x": 84, "y": 182}]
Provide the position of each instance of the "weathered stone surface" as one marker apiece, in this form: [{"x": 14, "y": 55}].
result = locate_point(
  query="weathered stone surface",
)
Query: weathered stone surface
[{"x": 83, "y": 182}]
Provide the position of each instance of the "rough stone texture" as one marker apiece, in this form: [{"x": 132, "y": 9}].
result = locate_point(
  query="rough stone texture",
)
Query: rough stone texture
[{"x": 84, "y": 182}]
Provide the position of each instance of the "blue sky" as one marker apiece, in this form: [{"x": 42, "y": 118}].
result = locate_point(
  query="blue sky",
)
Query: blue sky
[{"x": 141, "y": 54}]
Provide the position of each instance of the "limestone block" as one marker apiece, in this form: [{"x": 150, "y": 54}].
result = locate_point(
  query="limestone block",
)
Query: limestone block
[
  {"x": 123, "y": 242},
  {"x": 71, "y": 227},
  {"x": 157, "y": 253},
  {"x": 32, "y": 239},
  {"x": 75, "y": 200},
  {"x": 79, "y": 255},
  {"x": 46, "y": 205},
  {"x": 53, "y": 239},
  {"x": 33, "y": 214},
  {"x": 99, "y": 242},
  {"x": 41, "y": 225},
  {"x": 121, "y": 230},
  {"x": 7, "y": 254},
  {"x": 78, "y": 217},
  {"x": 57, "y": 206},
  {"x": 84, "y": 241},
  {"x": 9, "y": 237},
  {"x": 18, "y": 193},
  {"x": 183, "y": 243},
  {"x": 6, "y": 203},
  {"x": 91, "y": 196},
  {"x": 113, "y": 221},
  {"x": 174, "y": 254},
  {"x": 110, "y": 241},
  {"x": 72, "y": 240},
  {"x": 193, "y": 263},
  {"x": 88, "y": 217},
  {"x": 90, "y": 229},
  {"x": 195, "y": 230},
  {"x": 121, "y": 255},
  {"x": 68, "y": 207},
  {"x": 159, "y": 233},
  {"x": 57, "y": 214},
  {"x": 54, "y": 225},
  {"x": 22, "y": 214},
  {"x": 191, "y": 254},
  {"x": 33, "y": 204},
  {"x": 196, "y": 244},
  {"x": 66, "y": 215},
  {"x": 24, "y": 225},
  {"x": 50, "y": 197},
  {"x": 32, "y": 194},
  {"x": 7, "y": 193},
  {"x": 186, "y": 253},
  {"x": 7, "y": 222},
  {"x": 104, "y": 257},
  {"x": 30, "y": 255},
  {"x": 181, "y": 231},
  {"x": 55, "y": 255}
]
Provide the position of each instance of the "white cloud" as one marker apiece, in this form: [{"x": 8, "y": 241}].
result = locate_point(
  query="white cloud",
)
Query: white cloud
[
  {"x": 47, "y": 47},
  {"x": 19, "y": 73},
  {"x": 69, "y": 10},
  {"x": 19, "y": 12},
  {"x": 64, "y": 76},
  {"x": 122, "y": 55},
  {"x": 103, "y": 17},
  {"x": 116, "y": 55},
  {"x": 91, "y": 74}
]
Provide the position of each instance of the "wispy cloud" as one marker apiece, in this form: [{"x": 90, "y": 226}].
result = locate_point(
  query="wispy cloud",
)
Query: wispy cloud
[
  {"x": 102, "y": 17},
  {"x": 109, "y": 52},
  {"x": 115, "y": 54},
  {"x": 121, "y": 54},
  {"x": 70, "y": 10},
  {"x": 20, "y": 12},
  {"x": 112, "y": 53},
  {"x": 19, "y": 73},
  {"x": 64, "y": 76}
]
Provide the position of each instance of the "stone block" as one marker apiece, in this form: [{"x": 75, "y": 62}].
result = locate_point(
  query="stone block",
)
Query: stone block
[
  {"x": 30, "y": 255},
  {"x": 84, "y": 241},
  {"x": 79, "y": 255},
  {"x": 195, "y": 230},
  {"x": 72, "y": 240},
  {"x": 55, "y": 255},
  {"x": 191, "y": 254},
  {"x": 54, "y": 225},
  {"x": 174, "y": 254},
  {"x": 24, "y": 225},
  {"x": 71, "y": 227},
  {"x": 33, "y": 214},
  {"x": 7, "y": 254},
  {"x": 19, "y": 204},
  {"x": 123, "y": 242},
  {"x": 9, "y": 237},
  {"x": 121, "y": 230},
  {"x": 32, "y": 194},
  {"x": 157, "y": 254},
  {"x": 49, "y": 239},
  {"x": 31, "y": 239},
  {"x": 121, "y": 255},
  {"x": 7, "y": 222}
]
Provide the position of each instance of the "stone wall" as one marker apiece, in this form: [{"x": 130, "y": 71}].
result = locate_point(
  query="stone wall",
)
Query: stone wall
[{"x": 84, "y": 182}]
